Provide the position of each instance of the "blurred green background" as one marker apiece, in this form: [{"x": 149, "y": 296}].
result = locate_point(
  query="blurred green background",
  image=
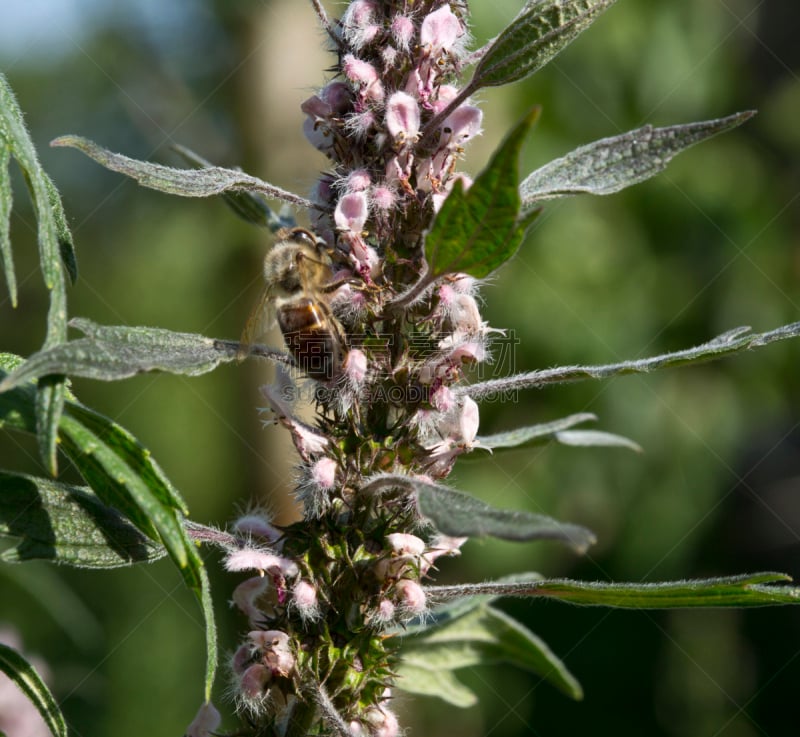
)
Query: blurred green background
[{"x": 711, "y": 244}]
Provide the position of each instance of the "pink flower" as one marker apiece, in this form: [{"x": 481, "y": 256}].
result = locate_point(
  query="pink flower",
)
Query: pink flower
[
  {"x": 461, "y": 125},
  {"x": 276, "y": 650},
  {"x": 357, "y": 23},
  {"x": 254, "y": 680},
  {"x": 402, "y": 30},
  {"x": 323, "y": 473},
  {"x": 410, "y": 596},
  {"x": 245, "y": 595},
  {"x": 254, "y": 559},
  {"x": 256, "y": 525},
  {"x": 304, "y": 600},
  {"x": 440, "y": 30},
  {"x": 402, "y": 117},
  {"x": 383, "y": 198},
  {"x": 351, "y": 212},
  {"x": 358, "y": 180}
]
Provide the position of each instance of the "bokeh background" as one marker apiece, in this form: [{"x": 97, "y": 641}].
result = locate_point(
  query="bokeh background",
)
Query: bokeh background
[{"x": 711, "y": 244}]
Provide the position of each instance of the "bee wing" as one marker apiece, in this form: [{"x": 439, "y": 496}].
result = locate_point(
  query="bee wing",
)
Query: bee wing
[{"x": 260, "y": 320}]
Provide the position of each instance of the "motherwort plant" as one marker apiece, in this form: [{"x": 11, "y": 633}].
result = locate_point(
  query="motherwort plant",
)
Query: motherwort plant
[{"x": 377, "y": 303}]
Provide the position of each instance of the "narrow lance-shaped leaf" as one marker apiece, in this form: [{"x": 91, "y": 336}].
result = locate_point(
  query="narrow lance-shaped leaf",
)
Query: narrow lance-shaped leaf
[
  {"x": 558, "y": 430},
  {"x": 51, "y": 391},
  {"x": 611, "y": 164},
  {"x": 734, "y": 341},
  {"x": 206, "y": 182},
  {"x": 6, "y": 201},
  {"x": 68, "y": 525},
  {"x": 110, "y": 353},
  {"x": 461, "y": 515},
  {"x": 478, "y": 230},
  {"x": 207, "y": 605},
  {"x": 541, "y": 30},
  {"x": 480, "y": 635},
  {"x": 755, "y": 589},
  {"x": 249, "y": 206},
  {"x": 55, "y": 248},
  {"x": 21, "y": 672},
  {"x": 14, "y": 135}
]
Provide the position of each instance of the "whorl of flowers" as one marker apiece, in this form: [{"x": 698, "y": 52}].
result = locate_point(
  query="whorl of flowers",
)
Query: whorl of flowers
[{"x": 328, "y": 590}]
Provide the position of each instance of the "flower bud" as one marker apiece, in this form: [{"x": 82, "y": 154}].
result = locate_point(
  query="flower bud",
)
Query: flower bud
[
  {"x": 304, "y": 600},
  {"x": 323, "y": 473},
  {"x": 410, "y": 596}
]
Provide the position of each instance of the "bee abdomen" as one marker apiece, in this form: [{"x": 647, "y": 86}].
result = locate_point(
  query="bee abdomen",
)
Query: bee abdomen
[{"x": 311, "y": 338}]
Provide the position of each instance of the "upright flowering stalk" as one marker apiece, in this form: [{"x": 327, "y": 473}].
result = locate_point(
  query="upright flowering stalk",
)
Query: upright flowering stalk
[{"x": 378, "y": 308}]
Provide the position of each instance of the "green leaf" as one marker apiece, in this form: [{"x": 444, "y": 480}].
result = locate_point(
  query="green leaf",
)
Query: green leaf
[
  {"x": 734, "y": 341},
  {"x": 207, "y": 605},
  {"x": 105, "y": 469},
  {"x": 15, "y": 136},
  {"x": 748, "y": 590},
  {"x": 55, "y": 248},
  {"x": 66, "y": 245},
  {"x": 461, "y": 515},
  {"x": 430, "y": 676},
  {"x": 611, "y": 164},
  {"x": 23, "y": 674},
  {"x": 6, "y": 203},
  {"x": 50, "y": 393},
  {"x": 557, "y": 430},
  {"x": 249, "y": 206},
  {"x": 533, "y": 38},
  {"x": 478, "y": 230},
  {"x": 110, "y": 353},
  {"x": 205, "y": 182},
  {"x": 125, "y": 477},
  {"x": 481, "y": 635},
  {"x": 67, "y": 524}
]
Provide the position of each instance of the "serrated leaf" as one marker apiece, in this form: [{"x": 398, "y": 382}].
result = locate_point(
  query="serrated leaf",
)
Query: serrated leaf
[
  {"x": 24, "y": 675},
  {"x": 461, "y": 515},
  {"x": 754, "y": 589},
  {"x": 249, "y": 206},
  {"x": 482, "y": 635},
  {"x": 110, "y": 353},
  {"x": 67, "y": 524},
  {"x": 205, "y": 182},
  {"x": 540, "y": 31},
  {"x": 6, "y": 203},
  {"x": 477, "y": 231},
  {"x": 733, "y": 341},
  {"x": 611, "y": 164}
]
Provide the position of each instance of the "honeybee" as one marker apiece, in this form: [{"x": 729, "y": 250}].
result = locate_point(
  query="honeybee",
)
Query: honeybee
[{"x": 298, "y": 276}]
